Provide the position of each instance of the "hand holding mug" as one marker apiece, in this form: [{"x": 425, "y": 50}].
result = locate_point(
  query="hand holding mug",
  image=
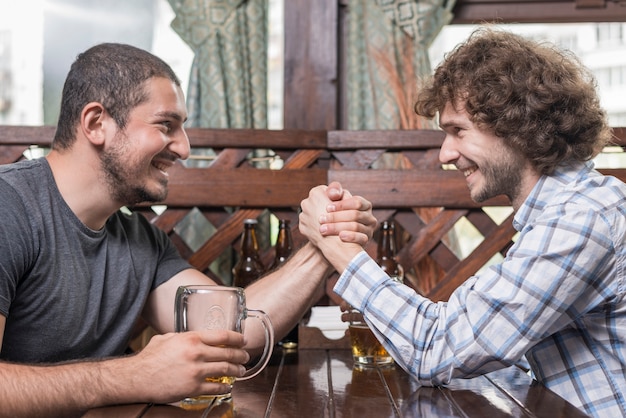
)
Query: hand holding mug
[{"x": 206, "y": 307}]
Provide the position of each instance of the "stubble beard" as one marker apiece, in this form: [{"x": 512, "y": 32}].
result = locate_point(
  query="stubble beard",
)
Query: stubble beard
[
  {"x": 502, "y": 177},
  {"x": 124, "y": 177}
]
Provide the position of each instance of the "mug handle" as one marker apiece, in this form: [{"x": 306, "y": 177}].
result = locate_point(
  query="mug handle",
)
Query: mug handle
[{"x": 269, "y": 343}]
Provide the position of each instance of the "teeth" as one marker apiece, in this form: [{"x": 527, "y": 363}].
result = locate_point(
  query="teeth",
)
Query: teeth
[
  {"x": 162, "y": 167},
  {"x": 468, "y": 171}
]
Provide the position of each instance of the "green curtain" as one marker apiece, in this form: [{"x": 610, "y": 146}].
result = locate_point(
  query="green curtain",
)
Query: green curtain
[
  {"x": 227, "y": 84},
  {"x": 387, "y": 51},
  {"x": 228, "y": 80}
]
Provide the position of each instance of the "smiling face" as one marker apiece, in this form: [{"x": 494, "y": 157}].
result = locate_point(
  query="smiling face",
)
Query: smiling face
[
  {"x": 135, "y": 163},
  {"x": 490, "y": 167}
]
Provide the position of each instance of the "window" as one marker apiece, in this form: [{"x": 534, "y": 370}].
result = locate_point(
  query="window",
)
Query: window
[
  {"x": 606, "y": 56},
  {"x": 32, "y": 71},
  {"x": 39, "y": 68},
  {"x": 610, "y": 34}
]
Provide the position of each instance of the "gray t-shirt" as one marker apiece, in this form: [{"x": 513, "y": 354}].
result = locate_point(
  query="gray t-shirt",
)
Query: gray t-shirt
[{"x": 67, "y": 291}]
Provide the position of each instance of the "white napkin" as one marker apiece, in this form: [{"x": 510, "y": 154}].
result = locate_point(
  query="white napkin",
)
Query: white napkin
[{"x": 328, "y": 320}]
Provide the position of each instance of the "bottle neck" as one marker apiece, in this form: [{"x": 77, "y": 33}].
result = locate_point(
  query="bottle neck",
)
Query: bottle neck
[
  {"x": 249, "y": 245},
  {"x": 387, "y": 243},
  {"x": 283, "y": 245},
  {"x": 249, "y": 266},
  {"x": 386, "y": 255}
]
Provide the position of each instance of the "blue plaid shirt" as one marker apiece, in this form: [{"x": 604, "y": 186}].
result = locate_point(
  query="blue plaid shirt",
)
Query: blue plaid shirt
[{"x": 559, "y": 298}]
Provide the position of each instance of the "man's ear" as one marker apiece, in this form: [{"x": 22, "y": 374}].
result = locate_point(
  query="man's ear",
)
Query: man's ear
[{"x": 93, "y": 123}]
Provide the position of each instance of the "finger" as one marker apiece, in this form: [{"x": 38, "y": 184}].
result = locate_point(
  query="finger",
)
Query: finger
[
  {"x": 218, "y": 369},
  {"x": 222, "y": 337},
  {"x": 217, "y": 378},
  {"x": 349, "y": 216},
  {"x": 350, "y": 203},
  {"x": 335, "y": 227},
  {"x": 360, "y": 236},
  {"x": 347, "y": 194},
  {"x": 354, "y": 237},
  {"x": 335, "y": 191},
  {"x": 210, "y": 388},
  {"x": 316, "y": 201},
  {"x": 223, "y": 345},
  {"x": 211, "y": 354},
  {"x": 361, "y": 223}
]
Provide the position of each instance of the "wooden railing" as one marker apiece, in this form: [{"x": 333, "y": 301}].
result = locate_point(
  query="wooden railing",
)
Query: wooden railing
[{"x": 398, "y": 171}]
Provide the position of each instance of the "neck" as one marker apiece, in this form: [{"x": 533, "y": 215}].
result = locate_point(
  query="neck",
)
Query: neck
[
  {"x": 79, "y": 180},
  {"x": 530, "y": 178}
]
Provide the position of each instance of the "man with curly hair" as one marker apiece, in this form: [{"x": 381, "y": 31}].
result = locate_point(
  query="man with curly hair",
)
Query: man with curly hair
[{"x": 521, "y": 119}]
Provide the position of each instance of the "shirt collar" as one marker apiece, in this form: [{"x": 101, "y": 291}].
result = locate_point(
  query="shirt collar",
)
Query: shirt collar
[{"x": 547, "y": 187}]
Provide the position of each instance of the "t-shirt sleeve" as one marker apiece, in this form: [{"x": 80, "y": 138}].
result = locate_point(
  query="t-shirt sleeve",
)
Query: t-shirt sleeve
[
  {"x": 16, "y": 244},
  {"x": 169, "y": 262}
]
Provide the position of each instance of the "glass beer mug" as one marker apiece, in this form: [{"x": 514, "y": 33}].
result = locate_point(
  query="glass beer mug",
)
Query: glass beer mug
[{"x": 218, "y": 307}]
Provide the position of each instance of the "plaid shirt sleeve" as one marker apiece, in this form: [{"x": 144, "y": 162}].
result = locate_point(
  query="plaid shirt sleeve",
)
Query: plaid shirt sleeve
[{"x": 563, "y": 269}]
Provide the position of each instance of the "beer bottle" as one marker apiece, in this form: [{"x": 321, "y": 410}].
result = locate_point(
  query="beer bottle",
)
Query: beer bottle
[
  {"x": 283, "y": 247},
  {"x": 386, "y": 255},
  {"x": 249, "y": 267}
]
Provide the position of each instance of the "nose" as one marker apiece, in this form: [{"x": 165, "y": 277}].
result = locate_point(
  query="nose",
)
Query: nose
[
  {"x": 180, "y": 144},
  {"x": 448, "y": 153}
]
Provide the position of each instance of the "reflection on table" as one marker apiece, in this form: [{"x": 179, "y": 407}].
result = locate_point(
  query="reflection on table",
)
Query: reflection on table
[{"x": 323, "y": 383}]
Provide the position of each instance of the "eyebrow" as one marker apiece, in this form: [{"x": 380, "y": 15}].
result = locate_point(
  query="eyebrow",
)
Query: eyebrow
[
  {"x": 450, "y": 123},
  {"x": 455, "y": 121},
  {"x": 171, "y": 115}
]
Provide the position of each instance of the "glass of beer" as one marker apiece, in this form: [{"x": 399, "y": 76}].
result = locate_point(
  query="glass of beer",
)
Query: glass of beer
[
  {"x": 200, "y": 307},
  {"x": 366, "y": 349}
]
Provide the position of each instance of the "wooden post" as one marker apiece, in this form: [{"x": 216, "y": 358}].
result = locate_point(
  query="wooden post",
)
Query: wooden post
[{"x": 311, "y": 69}]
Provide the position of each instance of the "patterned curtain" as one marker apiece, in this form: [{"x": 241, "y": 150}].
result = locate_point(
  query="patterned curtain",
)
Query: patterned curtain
[
  {"x": 387, "y": 51},
  {"x": 388, "y": 43},
  {"x": 227, "y": 88},
  {"x": 228, "y": 80}
]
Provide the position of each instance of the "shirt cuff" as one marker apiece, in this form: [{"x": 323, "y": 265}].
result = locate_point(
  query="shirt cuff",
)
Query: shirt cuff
[{"x": 359, "y": 280}]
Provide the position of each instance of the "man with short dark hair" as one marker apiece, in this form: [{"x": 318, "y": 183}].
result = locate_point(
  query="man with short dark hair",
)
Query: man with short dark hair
[{"x": 76, "y": 273}]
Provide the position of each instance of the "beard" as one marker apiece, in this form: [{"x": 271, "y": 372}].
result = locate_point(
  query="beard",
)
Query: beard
[
  {"x": 124, "y": 177},
  {"x": 502, "y": 176}
]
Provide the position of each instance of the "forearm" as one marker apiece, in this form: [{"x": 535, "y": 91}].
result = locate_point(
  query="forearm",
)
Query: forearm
[
  {"x": 169, "y": 368},
  {"x": 436, "y": 342},
  {"x": 338, "y": 253},
  {"x": 61, "y": 390},
  {"x": 286, "y": 294},
  {"x": 395, "y": 314}
]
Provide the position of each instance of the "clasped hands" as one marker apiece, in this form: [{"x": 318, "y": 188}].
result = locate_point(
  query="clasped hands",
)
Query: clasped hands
[{"x": 337, "y": 223}]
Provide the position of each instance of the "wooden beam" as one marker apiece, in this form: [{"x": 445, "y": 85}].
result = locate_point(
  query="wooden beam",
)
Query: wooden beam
[
  {"x": 410, "y": 188},
  {"x": 252, "y": 188},
  {"x": 535, "y": 11},
  {"x": 255, "y": 138}
]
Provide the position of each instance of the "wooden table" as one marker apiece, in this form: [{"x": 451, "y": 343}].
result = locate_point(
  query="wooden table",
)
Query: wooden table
[{"x": 323, "y": 383}]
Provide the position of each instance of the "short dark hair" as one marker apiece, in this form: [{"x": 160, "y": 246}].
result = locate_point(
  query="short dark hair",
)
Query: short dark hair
[
  {"x": 540, "y": 99},
  {"x": 112, "y": 74}
]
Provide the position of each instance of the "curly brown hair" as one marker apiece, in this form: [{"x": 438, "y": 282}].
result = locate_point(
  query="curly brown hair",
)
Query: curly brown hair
[{"x": 541, "y": 100}]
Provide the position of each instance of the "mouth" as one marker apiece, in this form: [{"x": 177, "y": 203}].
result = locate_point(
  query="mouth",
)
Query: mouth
[
  {"x": 162, "y": 166},
  {"x": 468, "y": 171}
]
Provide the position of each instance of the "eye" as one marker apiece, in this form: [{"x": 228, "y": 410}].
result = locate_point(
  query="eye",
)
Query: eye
[{"x": 167, "y": 125}]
